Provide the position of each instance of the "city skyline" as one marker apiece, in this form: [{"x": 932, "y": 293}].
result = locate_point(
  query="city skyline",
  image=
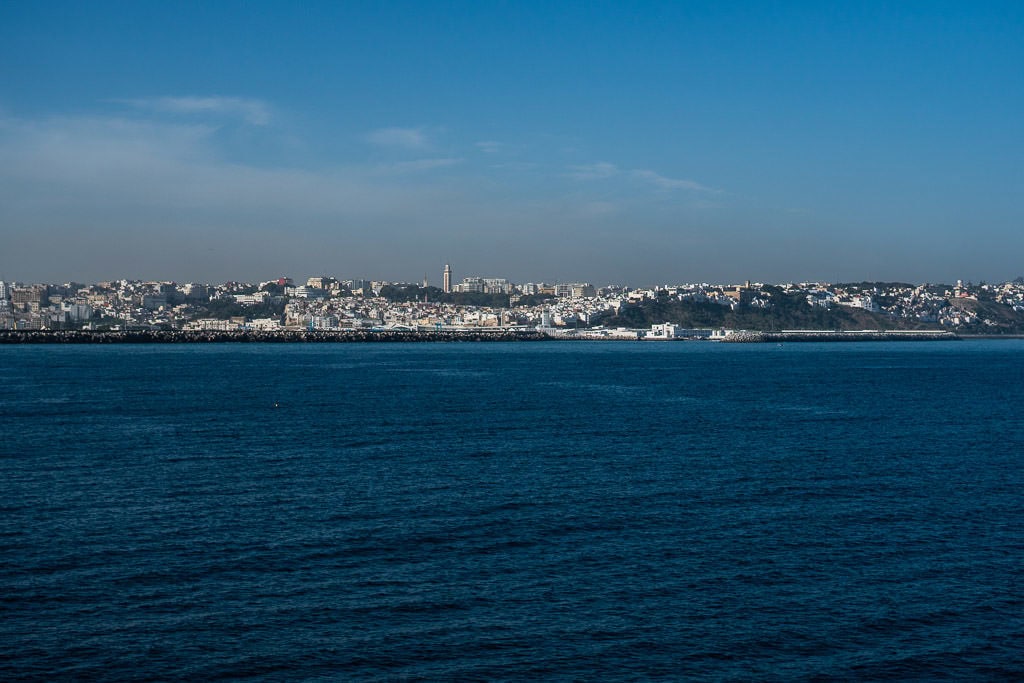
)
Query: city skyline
[
  {"x": 450, "y": 282},
  {"x": 641, "y": 144},
  {"x": 329, "y": 304}
]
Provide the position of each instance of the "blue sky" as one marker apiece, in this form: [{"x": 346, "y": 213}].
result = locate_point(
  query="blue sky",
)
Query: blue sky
[{"x": 609, "y": 142}]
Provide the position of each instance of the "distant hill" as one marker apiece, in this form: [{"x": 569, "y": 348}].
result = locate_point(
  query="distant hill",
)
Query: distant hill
[
  {"x": 790, "y": 311},
  {"x": 1002, "y": 319}
]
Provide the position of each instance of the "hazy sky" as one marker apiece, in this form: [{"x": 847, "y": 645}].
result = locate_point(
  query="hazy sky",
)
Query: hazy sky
[{"x": 611, "y": 142}]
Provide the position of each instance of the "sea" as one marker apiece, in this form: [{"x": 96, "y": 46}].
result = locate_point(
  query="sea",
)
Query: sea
[{"x": 594, "y": 511}]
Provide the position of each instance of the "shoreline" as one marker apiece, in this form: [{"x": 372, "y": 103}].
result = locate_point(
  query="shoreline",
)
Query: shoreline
[
  {"x": 991, "y": 336},
  {"x": 850, "y": 336},
  {"x": 279, "y": 337},
  {"x": 408, "y": 336}
]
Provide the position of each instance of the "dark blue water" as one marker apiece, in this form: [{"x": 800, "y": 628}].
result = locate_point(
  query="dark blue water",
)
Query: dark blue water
[{"x": 512, "y": 511}]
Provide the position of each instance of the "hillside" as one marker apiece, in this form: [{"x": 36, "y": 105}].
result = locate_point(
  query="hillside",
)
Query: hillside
[{"x": 791, "y": 311}]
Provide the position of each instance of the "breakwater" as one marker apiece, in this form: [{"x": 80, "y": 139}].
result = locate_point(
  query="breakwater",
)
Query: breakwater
[
  {"x": 831, "y": 336},
  {"x": 250, "y": 336},
  {"x": 321, "y": 336}
]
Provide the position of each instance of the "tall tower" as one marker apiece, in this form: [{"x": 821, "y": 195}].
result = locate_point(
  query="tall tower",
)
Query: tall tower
[{"x": 447, "y": 279}]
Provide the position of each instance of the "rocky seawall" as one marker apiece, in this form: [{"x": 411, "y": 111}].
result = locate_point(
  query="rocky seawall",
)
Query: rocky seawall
[
  {"x": 832, "y": 336},
  {"x": 320, "y": 336},
  {"x": 183, "y": 337}
]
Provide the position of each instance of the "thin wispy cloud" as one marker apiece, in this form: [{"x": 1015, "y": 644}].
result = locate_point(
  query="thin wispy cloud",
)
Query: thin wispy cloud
[
  {"x": 119, "y": 186},
  {"x": 489, "y": 146},
  {"x": 595, "y": 209},
  {"x": 417, "y": 165},
  {"x": 604, "y": 170},
  {"x": 252, "y": 111},
  {"x": 516, "y": 166},
  {"x": 407, "y": 138},
  {"x": 109, "y": 164},
  {"x": 665, "y": 183},
  {"x": 598, "y": 171},
  {"x": 128, "y": 181}
]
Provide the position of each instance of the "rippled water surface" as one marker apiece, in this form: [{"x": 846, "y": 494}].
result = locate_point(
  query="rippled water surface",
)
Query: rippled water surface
[{"x": 512, "y": 511}]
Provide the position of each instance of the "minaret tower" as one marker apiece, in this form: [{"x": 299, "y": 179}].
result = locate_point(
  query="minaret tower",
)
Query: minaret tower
[{"x": 447, "y": 279}]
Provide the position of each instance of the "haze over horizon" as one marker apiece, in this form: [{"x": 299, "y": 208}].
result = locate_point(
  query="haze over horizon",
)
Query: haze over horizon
[{"x": 655, "y": 142}]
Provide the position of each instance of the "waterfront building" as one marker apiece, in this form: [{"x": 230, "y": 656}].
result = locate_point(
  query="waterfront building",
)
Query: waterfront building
[
  {"x": 264, "y": 324},
  {"x": 663, "y": 331},
  {"x": 672, "y": 331},
  {"x": 214, "y": 325}
]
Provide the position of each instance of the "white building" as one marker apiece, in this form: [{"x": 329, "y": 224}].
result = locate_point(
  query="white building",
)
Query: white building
[
  {"x": 485, "y": 285},
  {"x": 252, "y": 299},
  {"x": 865, "y": 302},
  {"x": 212, "y": 324},
  {"x": 324, "y": 322},
  {"x": 264, "y": 324},
  {"x": 75, "y": 312},
  {"x": 663, "y": 331},
  {"x": 305, "y": 293},
  {"x": 195, "y": 292}
]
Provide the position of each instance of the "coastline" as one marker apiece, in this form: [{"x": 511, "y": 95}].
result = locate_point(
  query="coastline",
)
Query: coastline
[
  {"x": 851, "y": 336},
  {"x": 282, "y": 336},
  {"x": 991, "y": 336},
  {"x": 409, "y": 336}
]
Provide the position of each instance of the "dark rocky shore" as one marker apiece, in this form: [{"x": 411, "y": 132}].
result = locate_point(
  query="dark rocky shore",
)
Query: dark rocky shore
[{"x": 178, "y": 336}]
